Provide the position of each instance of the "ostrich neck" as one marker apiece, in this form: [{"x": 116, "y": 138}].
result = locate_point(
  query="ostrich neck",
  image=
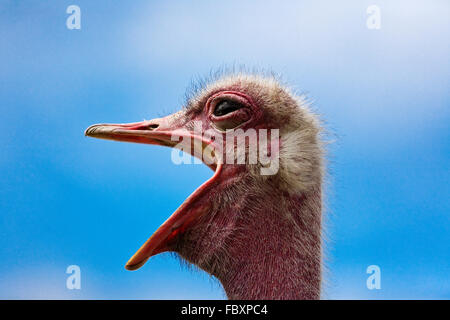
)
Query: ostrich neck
[{"x": 276, "y": 251}]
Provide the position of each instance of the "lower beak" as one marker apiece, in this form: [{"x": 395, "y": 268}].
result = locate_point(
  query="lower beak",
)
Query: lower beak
[{"x": 161, "y": 132}]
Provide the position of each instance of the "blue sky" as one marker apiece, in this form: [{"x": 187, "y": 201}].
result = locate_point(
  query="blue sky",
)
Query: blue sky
[{"x": 66, "y": 199}]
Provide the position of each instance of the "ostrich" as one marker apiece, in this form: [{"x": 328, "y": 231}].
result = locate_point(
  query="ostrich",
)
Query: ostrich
[{"x": 258, "y": 234}]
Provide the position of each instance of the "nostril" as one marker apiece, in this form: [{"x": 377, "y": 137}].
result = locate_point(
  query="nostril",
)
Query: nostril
[{"x": 151, "y": 126}]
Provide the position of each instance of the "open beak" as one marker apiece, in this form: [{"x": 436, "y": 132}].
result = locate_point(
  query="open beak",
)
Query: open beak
[{"x": 165, "y": 132}]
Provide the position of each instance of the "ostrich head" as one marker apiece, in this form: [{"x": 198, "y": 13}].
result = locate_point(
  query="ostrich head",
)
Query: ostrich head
[{"x": 255, "y": 225}]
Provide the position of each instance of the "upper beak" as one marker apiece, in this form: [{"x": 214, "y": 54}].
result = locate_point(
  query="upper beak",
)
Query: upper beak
[
  {"x": 164, "y": 132},
  {"x": 151, "y": 132}
]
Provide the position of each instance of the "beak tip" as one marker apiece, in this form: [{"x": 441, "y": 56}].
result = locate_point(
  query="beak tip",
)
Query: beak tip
[
  {"x": 132, "y": 265},
  {"x": 96, "y": 130},
  {"x": 88, "y": 131}
]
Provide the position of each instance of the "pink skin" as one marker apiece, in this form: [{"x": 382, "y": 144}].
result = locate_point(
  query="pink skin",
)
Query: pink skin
[
  {"x": 233, "y": 226},
  {"x": 159, "y": 132}
]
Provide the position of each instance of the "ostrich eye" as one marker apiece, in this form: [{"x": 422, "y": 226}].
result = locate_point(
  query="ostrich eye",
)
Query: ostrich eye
[{"x": 226, "y": 106}]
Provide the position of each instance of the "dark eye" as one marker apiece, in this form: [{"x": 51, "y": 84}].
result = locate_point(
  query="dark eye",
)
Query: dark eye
[{"x": 226, "y": 106}]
